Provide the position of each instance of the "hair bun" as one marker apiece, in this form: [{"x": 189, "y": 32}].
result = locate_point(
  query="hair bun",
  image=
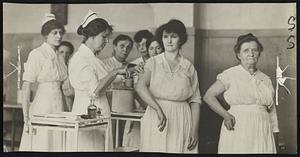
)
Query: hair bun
[
  {"x": 248, "y": 36},
  {"x": 80, "y": 30}
]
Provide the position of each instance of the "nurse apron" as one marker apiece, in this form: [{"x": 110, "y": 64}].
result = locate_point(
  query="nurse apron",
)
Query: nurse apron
[
  {"x": 44, "y": 67},
  {"x": 85, "y": 71}
]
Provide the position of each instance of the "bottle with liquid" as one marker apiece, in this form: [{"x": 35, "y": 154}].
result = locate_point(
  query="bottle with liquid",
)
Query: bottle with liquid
[
  {"x": 129, "y": 78},
  {"x": 92, "y": 109},
  {"x": 128, "y": 82}
]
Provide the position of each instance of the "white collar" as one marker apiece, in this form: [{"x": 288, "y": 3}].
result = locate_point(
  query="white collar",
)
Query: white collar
[
  {"x": 183, "y": 64},
  {"x": 49, "y": 49},
  {"x": 115, "y": 60},
  {"x": 245, "y": 71},
  {"x": 86, "y": 51}
]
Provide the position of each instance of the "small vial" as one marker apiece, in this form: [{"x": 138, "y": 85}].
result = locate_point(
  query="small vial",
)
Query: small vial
[{"x": 92, "y": 109}]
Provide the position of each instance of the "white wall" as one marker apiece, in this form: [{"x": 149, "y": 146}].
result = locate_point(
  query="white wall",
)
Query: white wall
[
  {"x": 27, "y": 18},
  {"x": 124, "y": 17},
  {"x": 244, "y": 16},
  {"x": 163, "y": 12},
  {"x": 23, "y": 18},
  {"x": 132, "y": 17}
]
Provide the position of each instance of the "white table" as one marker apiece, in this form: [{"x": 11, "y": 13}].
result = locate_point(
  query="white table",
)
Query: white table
[
  {"x": 67, "y": 125},
  {"x": 131, "y": 116}
]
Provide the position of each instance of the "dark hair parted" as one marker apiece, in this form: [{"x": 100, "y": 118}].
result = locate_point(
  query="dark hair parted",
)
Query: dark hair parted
[
  {"x": 173, "y": 26},
  {"x": 69, "y": 45},
  {"x": 50, "y": 25},
  {"x": 148, "y": 43},
  {"x": 243, "y": 39},
  {"x": 142, "y": 34},
  {"x": 122, "y": 37},
  {"x": 94, "y": 28}
]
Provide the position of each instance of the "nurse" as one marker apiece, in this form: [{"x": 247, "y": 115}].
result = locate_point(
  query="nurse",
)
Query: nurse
[
  {"x": 90, "y": 79},
  {"x": 44, "y": 67}
]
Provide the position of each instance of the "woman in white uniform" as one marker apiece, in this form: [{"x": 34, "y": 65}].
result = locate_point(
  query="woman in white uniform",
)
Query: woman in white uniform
[
  {"x": 250, "y": 122},
  {"x": 169, "y": 85},
  {"x": 44, "y": 67},
  {"x": 90, "y": 79}
]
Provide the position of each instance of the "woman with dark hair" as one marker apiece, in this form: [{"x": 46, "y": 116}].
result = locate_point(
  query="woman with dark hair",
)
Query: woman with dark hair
[
  {"x": 250, "y": 122},
  {"x": 154, "y": 47},
  {"x": 131, "y": 136},
  {"x": 65, "y": 51},
  {"x": 140, "y": 38},
  {"x": 90, "y": 79},
  {"x": 169, "y": 85},
  {"x": 45, "y": 68}
]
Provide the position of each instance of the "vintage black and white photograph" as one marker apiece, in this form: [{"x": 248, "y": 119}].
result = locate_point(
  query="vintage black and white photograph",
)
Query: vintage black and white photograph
[{"x": 183, "y": 78}]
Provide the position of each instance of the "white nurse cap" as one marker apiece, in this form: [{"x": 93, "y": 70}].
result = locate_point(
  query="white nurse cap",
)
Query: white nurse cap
[
  {"x": 48, "y": 17},
  {"x": 90, "y": 16}
]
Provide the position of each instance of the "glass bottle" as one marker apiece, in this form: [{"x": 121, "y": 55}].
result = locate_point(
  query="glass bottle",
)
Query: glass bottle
[{"x": 92, "y": 109}]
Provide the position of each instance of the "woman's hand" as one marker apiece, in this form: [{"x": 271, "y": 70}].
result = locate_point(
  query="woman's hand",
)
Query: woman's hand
[
  {"x": 26, "y": 123},
  {"x": 193, "y": 140},
  {"x": 162, "y": 120},
  {"x": 229, "y": 122},
  {"x": 275, "y": 134},
  {"x": 139, "y": 69},
  {"x": 67, "y": 88},
  {"x": 123, "y": 71}
]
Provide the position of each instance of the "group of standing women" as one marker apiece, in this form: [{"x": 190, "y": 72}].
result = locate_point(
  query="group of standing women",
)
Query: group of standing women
[{"x": 167, "y": 84}]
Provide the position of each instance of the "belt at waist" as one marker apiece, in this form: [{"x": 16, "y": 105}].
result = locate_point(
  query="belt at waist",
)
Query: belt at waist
[
  {"x": 87, "y": 94},
  {"x": 49, "y": 85},
  {"x": 171, "y": 101},
  {"x": 253, "y": 107},
  {"x": 81, "y": 92}
]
